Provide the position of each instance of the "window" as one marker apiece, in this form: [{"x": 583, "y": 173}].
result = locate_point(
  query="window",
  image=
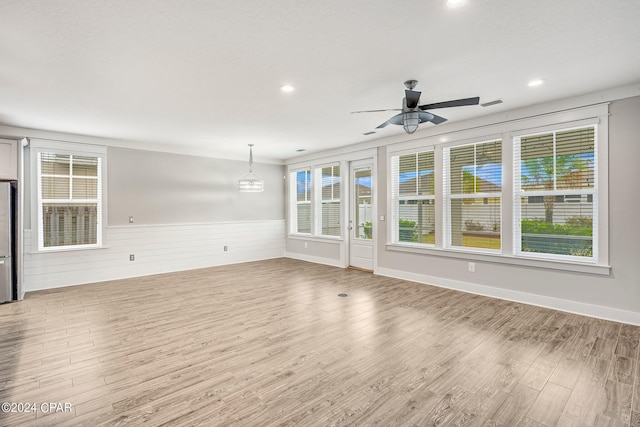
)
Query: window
[
  {"x": 69, "y": 200},
  {"x": 314, "y": 201},
  {"x": 554, "y": 168},
  {"x": 330, "y": 200},
  {"x": 472, "y": 195},
  {"x": 558, "y": 167},
  {"x": 300, "y": 201},
  {"x": 413, "y": 198}
]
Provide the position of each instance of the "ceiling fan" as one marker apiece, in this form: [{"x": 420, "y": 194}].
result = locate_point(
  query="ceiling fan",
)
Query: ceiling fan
[{"x": 413, "y": 114}]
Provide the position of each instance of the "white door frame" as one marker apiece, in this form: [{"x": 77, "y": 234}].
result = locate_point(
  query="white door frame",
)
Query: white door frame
[{"x": 351, "y": 229}]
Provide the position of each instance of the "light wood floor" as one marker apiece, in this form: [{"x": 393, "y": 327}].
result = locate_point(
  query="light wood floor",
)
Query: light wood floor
[{"x": 272, "y": 343}]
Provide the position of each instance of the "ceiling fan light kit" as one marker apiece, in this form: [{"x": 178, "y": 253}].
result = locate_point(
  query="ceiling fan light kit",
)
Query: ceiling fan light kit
[
  {"x": 410, "y": 122},
  {"x": 413, "y": 114},
  {"x": 250, "y": 183}
]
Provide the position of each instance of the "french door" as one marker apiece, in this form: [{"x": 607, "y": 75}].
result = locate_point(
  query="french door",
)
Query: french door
[{"x": 361, "y": 214}]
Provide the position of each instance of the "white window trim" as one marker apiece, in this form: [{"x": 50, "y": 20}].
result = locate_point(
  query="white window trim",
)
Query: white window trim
[
  {"x": 293, "y": 201},
  {"x": 393, "y": 214},
  {"x": 576, "y": 117},
  {"x": 315, "y": 202},
  {"x": 447, "y": 197},
  {"x": 595, "y": 191},
  {"x": 317, "y": 197},
  {"x": 38, "y": 146}
]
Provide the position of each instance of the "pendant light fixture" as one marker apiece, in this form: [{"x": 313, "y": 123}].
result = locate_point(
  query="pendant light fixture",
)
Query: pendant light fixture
[{"x": 250, "y": 183}]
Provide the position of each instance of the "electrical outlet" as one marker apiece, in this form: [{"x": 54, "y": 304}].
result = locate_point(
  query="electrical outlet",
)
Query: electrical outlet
[
  {"x": 132, "y": 257},
  {"x": 472, "y": 267},
  {"x": 306, "y": 245},
  {"x": 131, "y": 220},
  {"x": 226, "y": 248}
]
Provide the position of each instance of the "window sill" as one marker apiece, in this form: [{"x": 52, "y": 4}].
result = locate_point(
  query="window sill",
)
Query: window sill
[
  {"x": 310, "y": 238},
  {"x": 604, "y": 270},
  {"x": 71, "y": 249}
]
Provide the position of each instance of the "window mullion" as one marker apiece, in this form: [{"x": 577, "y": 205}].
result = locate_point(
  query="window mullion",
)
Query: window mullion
[{"x": 555, "y": 175}]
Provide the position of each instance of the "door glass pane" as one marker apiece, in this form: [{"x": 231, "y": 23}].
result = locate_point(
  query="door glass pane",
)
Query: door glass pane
[{"x": 363, "y": 208}]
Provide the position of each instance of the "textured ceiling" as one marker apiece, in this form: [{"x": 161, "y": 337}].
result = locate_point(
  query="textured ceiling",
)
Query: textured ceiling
[{"x": 204, "y": 76}]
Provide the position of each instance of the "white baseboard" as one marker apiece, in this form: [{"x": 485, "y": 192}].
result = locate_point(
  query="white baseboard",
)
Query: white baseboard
[
  {"x": 576, "y": 307},
  {"x": 315, "y": 259}
]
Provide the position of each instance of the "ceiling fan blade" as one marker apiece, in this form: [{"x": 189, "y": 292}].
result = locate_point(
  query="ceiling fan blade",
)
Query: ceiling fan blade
[
  {"x": 436, "y": 120},
  {"x": 395, "y": 120},
  {"x": 454, "y": 103},
  {"x": 374, "y": 111},
  {"x": 412, "y": 97}
]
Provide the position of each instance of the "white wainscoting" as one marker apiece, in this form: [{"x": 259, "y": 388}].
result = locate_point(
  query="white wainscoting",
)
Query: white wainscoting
[{"x": 157, "y": 249}]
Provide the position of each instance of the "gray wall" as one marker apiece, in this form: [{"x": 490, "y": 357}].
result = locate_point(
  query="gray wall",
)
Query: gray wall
[
  {"x": 620, "y": 290},
  {"x": 163, "y": 188},
  {"x": 326, "y": 250}
]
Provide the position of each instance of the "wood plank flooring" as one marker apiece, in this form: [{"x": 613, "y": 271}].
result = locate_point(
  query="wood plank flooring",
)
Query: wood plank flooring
[{"x": 271, "y": 343}]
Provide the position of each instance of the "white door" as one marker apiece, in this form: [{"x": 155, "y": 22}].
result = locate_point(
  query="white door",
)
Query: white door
[{"x": 361, "y": 215}]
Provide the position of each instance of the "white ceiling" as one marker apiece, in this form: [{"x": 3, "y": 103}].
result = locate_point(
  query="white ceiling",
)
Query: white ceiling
[{"x": 204, "y": 76}]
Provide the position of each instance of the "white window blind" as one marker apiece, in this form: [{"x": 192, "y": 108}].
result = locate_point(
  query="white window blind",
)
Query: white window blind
[
  {"x": 329, "y": 200},
  {"x": 413, "y": 198},
  {"x": 556, "y": 194},
  {"x": 472, "y": 195},
  {"x": 300, "y": 201},
  {"x": 69, "y": 197}
]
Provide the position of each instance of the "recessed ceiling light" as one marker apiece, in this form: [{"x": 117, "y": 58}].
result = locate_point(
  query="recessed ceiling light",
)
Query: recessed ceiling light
[
  {"x": 455, "y": 3},
  {"x": 536, "y": 82},
  {"x": 300, "y": 150},
  {"x": 287, "y": 88}
]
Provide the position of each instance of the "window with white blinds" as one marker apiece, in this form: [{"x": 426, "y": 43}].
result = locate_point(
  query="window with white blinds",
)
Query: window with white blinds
[
  {"x": 473, "y": 195},
  {"x": 329, "y": 200},
  {"x": 413, "y": 198},
  {"x": 300, "y": 201},
  {"x": 69, "y": 198},
  {"x": 556, "y": 194}
]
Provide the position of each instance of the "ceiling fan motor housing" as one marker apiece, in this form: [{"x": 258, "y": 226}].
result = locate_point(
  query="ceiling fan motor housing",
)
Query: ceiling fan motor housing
[{"x": 410, "y": 84}]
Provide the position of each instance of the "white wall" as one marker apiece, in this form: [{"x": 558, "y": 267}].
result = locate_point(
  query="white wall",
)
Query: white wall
[{"x": 157, "y": 249}]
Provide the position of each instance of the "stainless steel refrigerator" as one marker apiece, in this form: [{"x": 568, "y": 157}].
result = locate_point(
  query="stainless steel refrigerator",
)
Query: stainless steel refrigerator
[{"x": 7, "y": 241}]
